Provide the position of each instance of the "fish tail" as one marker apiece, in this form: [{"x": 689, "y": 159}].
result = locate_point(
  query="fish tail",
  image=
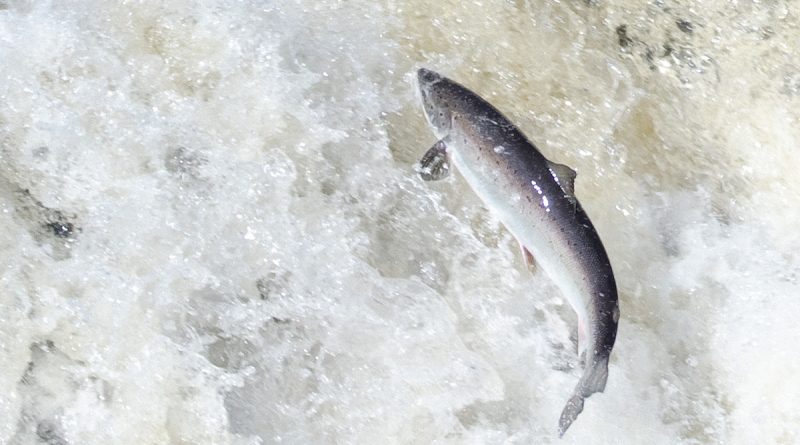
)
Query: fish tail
[
  {"x": 594, "y": 377},
  {"x": 593, "y": 380}
]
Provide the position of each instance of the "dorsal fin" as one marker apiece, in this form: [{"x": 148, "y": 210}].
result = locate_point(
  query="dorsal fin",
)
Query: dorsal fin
[{"x": 565, "y": 177}]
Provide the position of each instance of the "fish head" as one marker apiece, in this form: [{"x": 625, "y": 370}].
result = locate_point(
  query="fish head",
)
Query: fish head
[{"x": 434, "y": 92}]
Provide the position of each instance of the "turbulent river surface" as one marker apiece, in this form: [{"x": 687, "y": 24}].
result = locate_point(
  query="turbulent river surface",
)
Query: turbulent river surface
[{"x": 213, "y": 232}]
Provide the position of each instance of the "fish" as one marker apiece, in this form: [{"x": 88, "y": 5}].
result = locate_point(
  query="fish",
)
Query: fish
[{"x": 535, "y": 200}]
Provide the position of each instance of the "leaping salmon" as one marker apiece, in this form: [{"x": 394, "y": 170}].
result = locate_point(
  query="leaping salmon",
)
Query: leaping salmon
[{"x": 535, "y": 200}]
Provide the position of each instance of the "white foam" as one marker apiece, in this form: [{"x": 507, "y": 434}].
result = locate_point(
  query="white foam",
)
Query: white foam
[{"x": 250, "y": 257}]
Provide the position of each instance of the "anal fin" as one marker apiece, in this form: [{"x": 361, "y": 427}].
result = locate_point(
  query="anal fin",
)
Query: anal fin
[{"x": 528, "y": 257}]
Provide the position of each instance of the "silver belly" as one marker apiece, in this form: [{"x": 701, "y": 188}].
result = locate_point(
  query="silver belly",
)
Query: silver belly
[{"x": 496, "y": 191}]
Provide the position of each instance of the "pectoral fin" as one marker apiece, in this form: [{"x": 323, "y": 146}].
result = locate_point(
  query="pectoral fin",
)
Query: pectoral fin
[
  {"x": 434, "y": 165},
  {"x": 565, "y": 177}
]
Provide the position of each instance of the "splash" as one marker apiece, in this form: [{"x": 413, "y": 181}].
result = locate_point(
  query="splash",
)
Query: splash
[{"x": 214, "y": 232}]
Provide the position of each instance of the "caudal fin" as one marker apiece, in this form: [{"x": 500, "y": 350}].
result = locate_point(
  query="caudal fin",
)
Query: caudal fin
[{"x": 593, "y": 380}]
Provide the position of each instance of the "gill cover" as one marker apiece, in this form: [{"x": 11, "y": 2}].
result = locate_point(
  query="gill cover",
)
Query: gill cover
[{"x": 436, "y": 110}]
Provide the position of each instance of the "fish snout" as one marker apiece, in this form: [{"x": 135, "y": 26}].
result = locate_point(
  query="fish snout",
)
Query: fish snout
[{"x": 426, "y": 77}]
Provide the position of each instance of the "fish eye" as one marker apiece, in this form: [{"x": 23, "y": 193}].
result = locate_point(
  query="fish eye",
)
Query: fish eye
[{"x": 427, "y": 76}]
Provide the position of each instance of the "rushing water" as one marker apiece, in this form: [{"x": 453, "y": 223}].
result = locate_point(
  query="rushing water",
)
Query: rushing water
[{"x": 213, "y": 233}]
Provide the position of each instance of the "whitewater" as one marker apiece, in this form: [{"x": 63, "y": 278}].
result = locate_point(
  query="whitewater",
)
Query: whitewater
[{"x": 213, "y": 232}]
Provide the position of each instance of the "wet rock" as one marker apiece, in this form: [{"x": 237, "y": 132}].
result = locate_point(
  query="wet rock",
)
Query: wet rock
[
  {"x": 273, "y": 284},
  {"x": 668, "y": 49},
  {"x": 54, "y": 229},
  {"x": 61, "y": 227},
  {"x": 183, "y": 162},
  {"x": 685, "y": 26},
  {"x": 49, "y": 434},
  {"x": 622, "y": 36}
]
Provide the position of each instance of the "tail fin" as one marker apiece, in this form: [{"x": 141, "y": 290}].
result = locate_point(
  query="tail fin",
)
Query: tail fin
[
  {"x": 570, "y": 413},
  {"x": 593, "y": 380}
]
